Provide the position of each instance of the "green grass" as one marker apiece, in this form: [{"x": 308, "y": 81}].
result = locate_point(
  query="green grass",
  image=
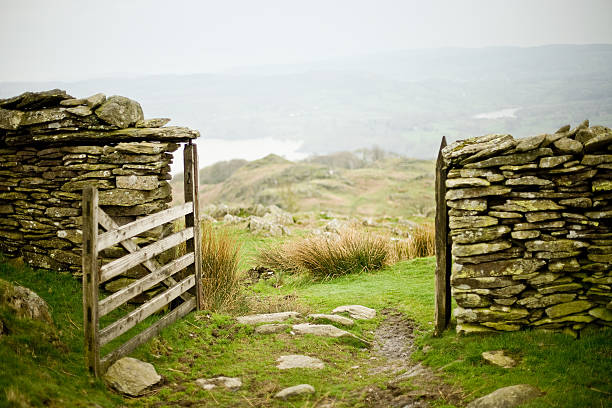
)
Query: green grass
[{"x": 48, "y": 368}]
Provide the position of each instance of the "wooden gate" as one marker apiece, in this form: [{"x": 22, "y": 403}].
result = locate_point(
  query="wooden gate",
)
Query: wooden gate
[{"x": 188, "y": 288}]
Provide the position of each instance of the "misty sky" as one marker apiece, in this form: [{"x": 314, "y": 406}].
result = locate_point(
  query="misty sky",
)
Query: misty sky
[{"x": 73, "y": 40}]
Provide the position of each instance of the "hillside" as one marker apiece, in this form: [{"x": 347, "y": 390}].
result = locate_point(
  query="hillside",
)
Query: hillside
[{"x": 391, "y": 186}]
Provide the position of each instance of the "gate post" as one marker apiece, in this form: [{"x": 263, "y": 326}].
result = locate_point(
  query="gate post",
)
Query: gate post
[
  {"x": 90, "y": 279},
  {"x": 443, "y": 253},
  {"x": 191, "y": 186}
]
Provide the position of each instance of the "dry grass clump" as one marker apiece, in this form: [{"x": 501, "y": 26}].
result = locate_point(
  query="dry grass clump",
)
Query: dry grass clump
[
  {"x": 220, "y": 275},
  {"x": 420, "y": 243},
  {"x": 350, "y": 252}
]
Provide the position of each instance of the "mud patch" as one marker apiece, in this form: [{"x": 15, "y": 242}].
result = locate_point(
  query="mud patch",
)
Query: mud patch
[{"x": 413, "y": 385}]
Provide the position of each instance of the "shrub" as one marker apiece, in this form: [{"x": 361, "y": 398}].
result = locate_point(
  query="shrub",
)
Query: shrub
[
  {"x": 220, "y": 279},
  {"x": 351, "y": 252}
]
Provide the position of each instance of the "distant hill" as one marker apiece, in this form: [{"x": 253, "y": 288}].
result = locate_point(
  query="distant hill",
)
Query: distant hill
[
  {"x": 390, "y": 185},
  {"x": 403, "y": 101}
]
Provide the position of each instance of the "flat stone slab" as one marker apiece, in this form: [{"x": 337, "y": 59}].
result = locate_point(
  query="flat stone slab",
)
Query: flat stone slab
[
  {"x": 230, "y": 383},
  {"x": 131, "y": 376},
  {"x": 271, "y": 328},
  {"x": 267, "y": 317},
  {"x": 295, "y": 390},
  {"x": 298, "y": 361},
  {"x": 356, "y": 311},
  {"x": 327, "y": 330},
  {"x": 507, "y": 397},
  {"x": 344, "y": 321},
  {"x": 498, "y": 358}
]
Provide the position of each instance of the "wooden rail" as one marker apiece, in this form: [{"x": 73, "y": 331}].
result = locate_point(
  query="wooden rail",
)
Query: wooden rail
[{"x": 188, "y": 288}]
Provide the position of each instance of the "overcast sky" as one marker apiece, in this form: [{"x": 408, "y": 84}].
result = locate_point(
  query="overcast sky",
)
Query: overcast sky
[{"x": 77, "y": 39}]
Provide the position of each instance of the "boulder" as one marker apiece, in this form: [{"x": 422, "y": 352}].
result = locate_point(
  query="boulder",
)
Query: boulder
[
  {"x": 295, "y": 390},
  {"x": 507, "y": 397},
  {"x": 120, "y": 111},
  {"x": 131, "y": 376},
  {"x": 299, "y": 361},
  {"x": 25, "y": 302}
]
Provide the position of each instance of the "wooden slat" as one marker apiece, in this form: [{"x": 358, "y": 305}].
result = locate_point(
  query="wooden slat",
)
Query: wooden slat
[
  {"x": 135, "y": 288},
  {"x": 147, "y": 334},
  {"x": 443, "y": 256},
  {"x": 152, "y": 265},
  {"x": 122, "y": 325},
  {"x": 141, "y": 225},
  {"x": 90, "y": 279},
  {"x": 118, "y": 266},
  {"x": 191, "y": 190}
]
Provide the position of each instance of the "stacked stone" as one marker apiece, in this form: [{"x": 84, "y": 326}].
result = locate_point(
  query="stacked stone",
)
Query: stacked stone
[
  {"x": 531, "y": 228},
  {"x": 52, "y": 146}
]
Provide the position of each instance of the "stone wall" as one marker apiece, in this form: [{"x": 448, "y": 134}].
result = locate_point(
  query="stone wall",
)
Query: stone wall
[
  {"x": 52, "y": 145},
  {"x": 531, "y": 228}
]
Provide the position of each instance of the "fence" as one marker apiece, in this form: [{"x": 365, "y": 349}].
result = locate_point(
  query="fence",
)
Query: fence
[{"x": 188, "y": 288}]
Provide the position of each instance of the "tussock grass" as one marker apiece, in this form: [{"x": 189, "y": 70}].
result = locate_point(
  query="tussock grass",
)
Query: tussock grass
[
  {"x": 420, "y": 244},
  {"x": 220, "y": 273},
  {"x": 352, "y": 251}
]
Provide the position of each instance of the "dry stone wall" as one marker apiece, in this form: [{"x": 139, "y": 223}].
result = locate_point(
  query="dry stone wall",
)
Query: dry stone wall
[
  {"x": 52, "y": 145},
  {"x": 531, "y": 228}
]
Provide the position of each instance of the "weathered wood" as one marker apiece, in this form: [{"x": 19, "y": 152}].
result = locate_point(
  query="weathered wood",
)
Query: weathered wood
[
  {"x": 90, "y": 279},
  {"x": 130, "y": 320},
  {"x": 443, "y": 257},
  {"x": 147, "y": 334},
  {"x": 152, "y": 265},
  {"x": 118, "y": 266},
  {"x": 115, "y": 300},
  {"x": 141, "y": 225},
  {"x": 190, "y": 180}
]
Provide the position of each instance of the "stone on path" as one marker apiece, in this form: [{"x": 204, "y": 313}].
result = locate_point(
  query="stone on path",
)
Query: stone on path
[
  {"x": 507, "y": 397},
  {"x": 498, "y": 358},
  {"x": 230, "y": 383},
  {"x": 299, "y": 361},
  {"x": 326, "y": 330},
  {"x": 356, "y": 311},
  {"x": 131, "y": 376},
  {"x": 345, "y": 321},
  {"x": 295, "y": 390},
  {"x": 271, "y": 328},
  {"x": 267, "y": 317}
]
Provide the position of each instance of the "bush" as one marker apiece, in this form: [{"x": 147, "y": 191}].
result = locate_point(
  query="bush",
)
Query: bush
[
  {"x": 220, "y": 279},
  {"x": 351, "y": 252}
]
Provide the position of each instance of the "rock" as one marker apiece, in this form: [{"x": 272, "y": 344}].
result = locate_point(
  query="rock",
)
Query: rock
[
  {"x": 30, "y": 118},
  {"x": 356, "y": 311},
  {"x": 598, "y": 142},
  {"x": 35, "y": 100},
  {"x": 564, "y": 309},
  {"x": 137, "y": 182},
  {"x": 528, "y": 205},
  {"x": 479, "y": 248},
  {"x": 602, "y": 313},
  {"x": 120, "y": 111},
  {"x": 299, "y": 361},
  {"x": 478, "y": 221},
  {"x": 260, "y": 225},
  {"x": 482, "y": 146},
  {"x": 466, "y": 236},
  {"x": 539, "y": 216},
  {"x": 230, "y": 383},
  {"x": 478, "y": 315},
  {"x": 596, "y": 159},
  {"x": 467, "y": 182},
  {"x": 560, "y": 245},
  {"x": 528, "y": 181},
  {"x": 327, "y": 330},
  {"x": 507, "y": 397},
  {"x": 516, "y": 267},
  {"x": 278, "y": 216},
  {"x": 529, "y": 234},
  {"x": 554, "y": 161},
  {"x": 10, "y": 119},
  {"x": 533, "y": 302},
  {"x": 511, "y": 159},
  {"x": 25, "y": 302},
  {"x": 271, "y": 328},
  {"x": 267, "y": 317},
  {"x": 474, "y": 204},
  {"x": 295, "y": 390},
  {"x": 463, "y": 193},
  {"x": 80, "y": 111},
  {"x": 498, "y": 358},
  {"x": 131, "y": 376},
  {"x": 128, "y": 198},
  {"x": 568, "y": 146},
  {"x": 345, "y": 321},
  {"x": 529, "y": 143},
  {"x": 491, "y": 175},
  {"x": 152, "y": 123}
]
